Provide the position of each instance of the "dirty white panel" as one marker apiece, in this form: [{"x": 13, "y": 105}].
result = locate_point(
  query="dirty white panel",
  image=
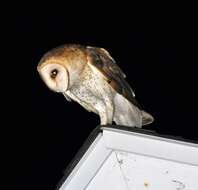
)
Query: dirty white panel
[
  {"x": 153, "y": 146},
  {"x": 127, "y": 171},
  {"x": 141, "y": 172},
  {"x": 122, "y": 160},
  {"x": 109, "y": 176},
  {"x": 88, "y": 166}
]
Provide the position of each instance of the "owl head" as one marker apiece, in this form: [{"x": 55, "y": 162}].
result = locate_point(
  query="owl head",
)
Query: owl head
[
  {"x": 55, "y": 75},
  {"x": 60, "y": 68}
]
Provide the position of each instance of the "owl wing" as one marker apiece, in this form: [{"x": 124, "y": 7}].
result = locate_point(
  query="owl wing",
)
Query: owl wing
[{"x": 101, "y": 60}]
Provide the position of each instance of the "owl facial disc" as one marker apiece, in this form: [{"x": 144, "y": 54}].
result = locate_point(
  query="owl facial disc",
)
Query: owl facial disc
[{"x": 55, "y": 76}]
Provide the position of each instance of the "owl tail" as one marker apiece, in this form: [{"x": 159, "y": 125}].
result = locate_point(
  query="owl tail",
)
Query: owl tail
[{"x": 128, "y": 114}]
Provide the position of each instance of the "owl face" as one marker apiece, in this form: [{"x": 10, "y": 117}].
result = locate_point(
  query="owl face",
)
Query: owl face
[{"x": 55, "y": 76}]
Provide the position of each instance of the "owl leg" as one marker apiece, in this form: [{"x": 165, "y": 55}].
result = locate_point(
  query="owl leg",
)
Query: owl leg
[
  {"x": 103, "y": 118},
  {"x": 109, "y": 110},
  {"x": 101, "y": 109},
  {"x": 106, "y": 111}
]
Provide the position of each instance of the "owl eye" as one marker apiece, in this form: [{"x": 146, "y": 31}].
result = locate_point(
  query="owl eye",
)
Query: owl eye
[{"x": 54, "y": 73}]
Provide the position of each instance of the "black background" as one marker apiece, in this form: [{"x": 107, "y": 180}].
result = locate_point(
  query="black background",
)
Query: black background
[{"x": 158, "y": 55}]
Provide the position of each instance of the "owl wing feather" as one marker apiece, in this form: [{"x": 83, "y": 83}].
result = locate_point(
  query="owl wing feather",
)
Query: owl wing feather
[{"x": 101, "y": 60}]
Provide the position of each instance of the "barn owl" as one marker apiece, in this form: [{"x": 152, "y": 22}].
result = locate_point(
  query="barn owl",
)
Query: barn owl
[{"x": 90, "y": 77}]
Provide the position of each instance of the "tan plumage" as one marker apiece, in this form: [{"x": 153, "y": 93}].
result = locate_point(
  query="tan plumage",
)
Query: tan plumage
[{"x": 90, "y": 76}]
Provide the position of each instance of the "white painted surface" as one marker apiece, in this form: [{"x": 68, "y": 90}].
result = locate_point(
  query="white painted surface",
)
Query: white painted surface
[
  {"x": 168, "y": 149},
  {"x": 123, "y": 160},
  {"x": 88, "y": 166},
  {"x": 109, "y": 176},
  {"x": 127, "y": 171},
  {"x": 143, "y": 172}
]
